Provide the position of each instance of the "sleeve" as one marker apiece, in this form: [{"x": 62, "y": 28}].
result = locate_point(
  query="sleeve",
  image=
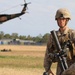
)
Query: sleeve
[
  {"x": 47, "y": 59},
  {"x": 73, "y": 39},
  {"x": 73, "y": 36}
]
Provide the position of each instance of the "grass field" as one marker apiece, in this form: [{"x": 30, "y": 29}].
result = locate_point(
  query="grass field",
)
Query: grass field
[{"x": 22, "y": 60}]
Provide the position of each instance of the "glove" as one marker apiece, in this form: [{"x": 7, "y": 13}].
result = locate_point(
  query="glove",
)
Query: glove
[
  {"x": 52, "y": 55},
  {"x": 45, "y": 73}
]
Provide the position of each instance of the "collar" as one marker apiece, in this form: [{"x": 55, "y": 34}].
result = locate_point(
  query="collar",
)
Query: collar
[{"x": 64, "y": 32}]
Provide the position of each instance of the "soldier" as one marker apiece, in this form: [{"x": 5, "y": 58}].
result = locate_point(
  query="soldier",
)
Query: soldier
[
  {"x": 64, "y": 33},
  {"x": 6, "y": 17},
  {"x": 70, "y": 70}
]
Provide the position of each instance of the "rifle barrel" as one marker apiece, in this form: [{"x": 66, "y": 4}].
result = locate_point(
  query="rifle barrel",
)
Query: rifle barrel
[
  {"x": 55, "y": 38},
  {"x": 62, "y": 59}
]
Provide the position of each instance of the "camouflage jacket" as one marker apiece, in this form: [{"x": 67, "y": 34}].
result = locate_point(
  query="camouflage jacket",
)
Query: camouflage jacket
[{"x": 68, "y": 34}]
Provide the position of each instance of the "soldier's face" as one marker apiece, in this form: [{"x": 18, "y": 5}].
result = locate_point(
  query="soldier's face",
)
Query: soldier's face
[{"x": 62, "y": 22}]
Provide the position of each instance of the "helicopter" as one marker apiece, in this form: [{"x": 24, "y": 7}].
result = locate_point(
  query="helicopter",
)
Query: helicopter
[{"x": 7, "y": 17}]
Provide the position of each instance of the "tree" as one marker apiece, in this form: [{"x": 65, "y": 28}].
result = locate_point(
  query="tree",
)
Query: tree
[
  {"x": 1, "y": 34},
  {"x": 29, "y": 37},
  {"x": 7, "y": 36},
  {"x": 45, "y": 38},
  {"x": 14, "y": 35},
  {"x": 22, "y": 37}
]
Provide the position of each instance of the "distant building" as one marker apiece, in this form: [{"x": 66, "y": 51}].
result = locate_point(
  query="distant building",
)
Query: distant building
[{"x": 16, "y": 42}]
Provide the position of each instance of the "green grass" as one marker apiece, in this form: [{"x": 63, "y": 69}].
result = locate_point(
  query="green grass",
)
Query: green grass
[{"x": 21, "y": 61}]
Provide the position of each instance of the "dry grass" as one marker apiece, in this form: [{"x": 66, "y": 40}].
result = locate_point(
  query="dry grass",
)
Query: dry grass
[
  {"x": 22, "y": 60},
  {"x": 23, "y": 47},
  {"x": 14, "y": 71},
  {"x": 17, "y": 50}
]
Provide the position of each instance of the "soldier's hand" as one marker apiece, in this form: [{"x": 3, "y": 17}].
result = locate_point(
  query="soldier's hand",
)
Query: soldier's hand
[
  {"x": 51, "y": 55},
  {"x": 45, "y": 73}
]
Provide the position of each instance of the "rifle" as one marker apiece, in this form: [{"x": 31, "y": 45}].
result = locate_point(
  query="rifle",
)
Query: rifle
[{"x": 60, "y": 55}]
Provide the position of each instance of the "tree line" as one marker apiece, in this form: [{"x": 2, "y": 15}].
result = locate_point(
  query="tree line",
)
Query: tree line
[{"x": 38, "y": 39}]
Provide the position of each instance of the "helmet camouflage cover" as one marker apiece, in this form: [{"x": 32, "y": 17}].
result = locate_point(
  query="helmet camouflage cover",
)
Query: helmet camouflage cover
[{"x": 62, "y": 13}]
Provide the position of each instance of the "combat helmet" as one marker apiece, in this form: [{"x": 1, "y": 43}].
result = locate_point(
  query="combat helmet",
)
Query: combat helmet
[{"x": 62, "y": 13}]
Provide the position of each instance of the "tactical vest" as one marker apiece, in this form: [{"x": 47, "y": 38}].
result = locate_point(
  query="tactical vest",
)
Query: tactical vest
[{"x": 65, "y": 39}]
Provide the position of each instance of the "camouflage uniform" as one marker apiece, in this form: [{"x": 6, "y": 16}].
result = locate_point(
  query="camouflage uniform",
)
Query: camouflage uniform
[
  {"x": 70, "y": 70},
  {"x": 68, "y": 34}
]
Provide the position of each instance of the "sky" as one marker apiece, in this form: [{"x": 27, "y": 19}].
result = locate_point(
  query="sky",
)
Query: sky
[{"x": 39, "y": 17}]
